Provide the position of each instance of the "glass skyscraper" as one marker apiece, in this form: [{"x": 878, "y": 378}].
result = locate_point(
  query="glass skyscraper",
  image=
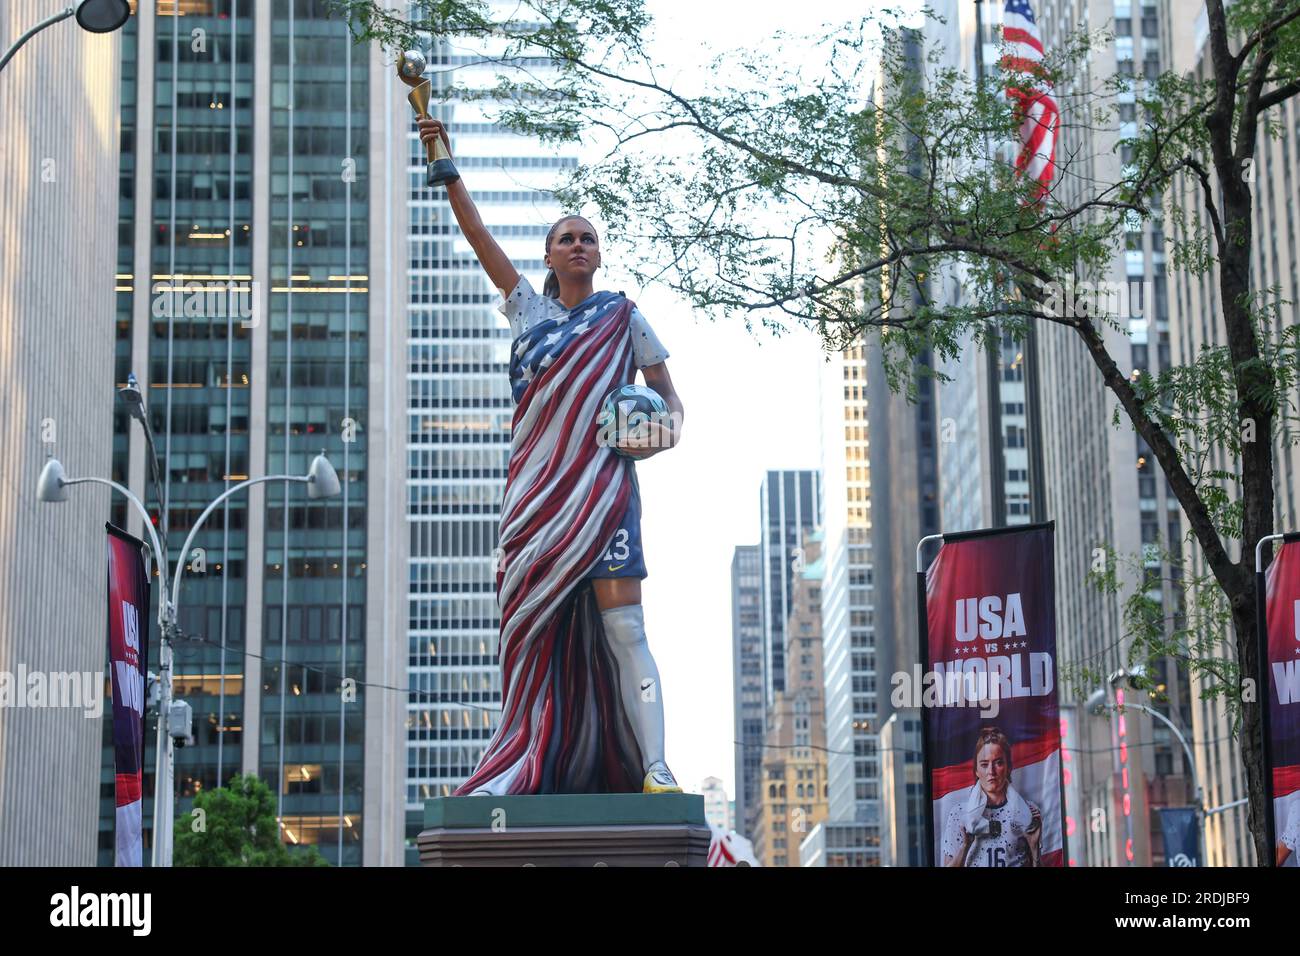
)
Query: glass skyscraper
[{"x": 248, "y": 262}]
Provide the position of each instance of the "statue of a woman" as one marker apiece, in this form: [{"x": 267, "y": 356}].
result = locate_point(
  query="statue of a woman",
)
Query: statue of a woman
[{"x": 582, "y": 710}]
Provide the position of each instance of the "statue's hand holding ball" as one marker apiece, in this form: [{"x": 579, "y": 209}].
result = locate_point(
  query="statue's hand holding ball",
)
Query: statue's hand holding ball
[{"x": 634, "y": 421}]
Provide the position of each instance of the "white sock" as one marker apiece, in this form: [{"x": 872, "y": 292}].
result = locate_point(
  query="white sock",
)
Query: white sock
[{"x": 638, "y": 678}]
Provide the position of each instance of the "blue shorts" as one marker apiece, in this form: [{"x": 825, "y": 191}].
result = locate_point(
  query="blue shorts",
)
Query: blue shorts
[{"x": 624, "y": 557}]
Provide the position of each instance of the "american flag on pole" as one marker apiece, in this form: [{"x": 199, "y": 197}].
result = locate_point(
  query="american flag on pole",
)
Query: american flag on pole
[{"x": 1040, "y": 119}]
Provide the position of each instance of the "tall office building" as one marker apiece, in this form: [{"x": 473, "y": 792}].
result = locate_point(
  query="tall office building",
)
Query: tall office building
[
  {"x": 259, "y": 301},
  {"x": 789, "y": 501},
  {"x": 792, "y": 791},
  {"x": 902, "y": 784},
  {"x": 905, "y": 482},
  {"x": 459, "y": 418},
  {"x": 1103, "y": 486},
  {"x": 1195, "y": 323},
  {"x": 59, "y": 111},
  {"x": 848, "y": 615},
  {"x": 717, "y": 808},
  {"x": 747, "y": 680},
  {"x": 981, "y": 412}
]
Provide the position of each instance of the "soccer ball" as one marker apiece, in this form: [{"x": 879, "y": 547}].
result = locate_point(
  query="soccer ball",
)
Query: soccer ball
[{"x": 626, "y": 408}]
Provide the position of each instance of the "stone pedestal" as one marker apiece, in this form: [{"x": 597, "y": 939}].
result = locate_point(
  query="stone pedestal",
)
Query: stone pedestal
[{"x": 577, "y": 829}]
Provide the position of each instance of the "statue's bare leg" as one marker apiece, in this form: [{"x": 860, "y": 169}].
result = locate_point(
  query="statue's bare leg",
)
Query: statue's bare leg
[
  {"x": 619, "y": 600},
  {"x": 616, "y": 592}
]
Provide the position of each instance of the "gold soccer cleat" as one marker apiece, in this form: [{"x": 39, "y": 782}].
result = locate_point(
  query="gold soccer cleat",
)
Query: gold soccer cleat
[{"x": 659, "y": 779}]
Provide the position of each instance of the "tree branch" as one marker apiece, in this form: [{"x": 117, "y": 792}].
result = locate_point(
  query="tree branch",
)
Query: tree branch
[
  {"x": 1280, "y": 95},
  {"x": 1264, "y": 31},
  {"x": 1166, "y": 454}
]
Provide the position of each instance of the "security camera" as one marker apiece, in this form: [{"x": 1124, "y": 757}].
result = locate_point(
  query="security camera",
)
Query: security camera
[
  {"x": 1136, "y": 675},
  {"x": 1133, "y": 676},
  {"x": 180, "y": 723}
]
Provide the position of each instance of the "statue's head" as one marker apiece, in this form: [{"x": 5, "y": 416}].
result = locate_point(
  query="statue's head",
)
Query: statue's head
[{"x": 572, "y": 252}]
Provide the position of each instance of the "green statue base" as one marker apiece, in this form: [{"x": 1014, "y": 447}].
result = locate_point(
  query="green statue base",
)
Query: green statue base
[{"x": 571, "y": 829}]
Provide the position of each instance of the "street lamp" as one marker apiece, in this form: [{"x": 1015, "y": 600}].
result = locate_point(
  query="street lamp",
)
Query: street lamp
[
  {"x": 322, "y": 482},
  {"x": 1096, "y": 704},
  {"x": 133, "y": 399},
  {"x": 93, "y": 16},
  {"x": 53, "y": 486}
]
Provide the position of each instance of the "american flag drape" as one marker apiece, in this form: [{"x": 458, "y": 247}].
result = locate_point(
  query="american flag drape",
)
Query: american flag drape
[
  {"x": 1040, "y": 119},
  {"x": 563, "y": 728}
]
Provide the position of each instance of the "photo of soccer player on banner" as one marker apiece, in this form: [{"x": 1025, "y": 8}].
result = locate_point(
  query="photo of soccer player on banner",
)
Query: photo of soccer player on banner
[
  {"x": 1282, "y": 663},
  {"x": 991, "y": 719}
]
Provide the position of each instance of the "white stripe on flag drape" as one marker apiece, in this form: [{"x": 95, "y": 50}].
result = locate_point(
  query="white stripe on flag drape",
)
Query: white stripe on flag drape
[{"x": 1040, "y": 116}]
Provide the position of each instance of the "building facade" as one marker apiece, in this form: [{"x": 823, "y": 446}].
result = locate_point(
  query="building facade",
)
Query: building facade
[
  {"x": 56, "y": 279},
  {"x": 1104, "y": 489},
  {"x": 793, "y": 789},
  {"x": 718, "y": 809},
  {"x": 902, "y": 784},
  {"x": 1195, "y": 323},
  {"x": 789, "y": 501},
  {"x": 259, "y": 306},
  {"x": 848, "y": 612},
  {"x": 747, "y": 680}
]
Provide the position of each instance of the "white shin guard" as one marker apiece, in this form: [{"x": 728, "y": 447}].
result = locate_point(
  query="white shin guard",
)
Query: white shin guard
[{"x": 638, "y": 678}]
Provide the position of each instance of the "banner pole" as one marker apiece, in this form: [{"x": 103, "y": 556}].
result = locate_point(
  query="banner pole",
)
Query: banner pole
[
  {"x": 923, "y": 631},
  {"x": 1261, "y": 649}
]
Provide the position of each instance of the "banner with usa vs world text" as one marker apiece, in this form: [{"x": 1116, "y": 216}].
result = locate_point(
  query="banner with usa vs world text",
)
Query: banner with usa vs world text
[
  {"x": 128, "y": 642},
  {"x": 992, "y": 720},
  {"x": 1282, "y": 660}
]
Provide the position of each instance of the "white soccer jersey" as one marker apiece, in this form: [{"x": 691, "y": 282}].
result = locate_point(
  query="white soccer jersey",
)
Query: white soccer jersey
[
  {"x": 1004, "y": 849},
  {"x": 1291, "y": 839},
  {"x": 525, "y": 307}
]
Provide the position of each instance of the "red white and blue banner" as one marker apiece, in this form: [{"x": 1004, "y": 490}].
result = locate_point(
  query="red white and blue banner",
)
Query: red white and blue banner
[
  {"x": 990, "y": 714},
  {"x": 128, "y": 642},
  {"x": 1282, "y": 662},
  {"x": 1040, "y": 118}
]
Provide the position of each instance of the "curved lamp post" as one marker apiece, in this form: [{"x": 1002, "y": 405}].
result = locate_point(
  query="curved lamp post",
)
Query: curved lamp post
[
  {"x": 93, "y": 16},
  {"x": 1097, "y": 704},
  {"x": 322, "y": 482}
]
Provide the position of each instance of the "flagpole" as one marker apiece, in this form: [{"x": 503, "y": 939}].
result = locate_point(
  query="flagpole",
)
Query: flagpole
[
  {"x": 927, "y": 762},
  {"x": 1034, "y": 427}
]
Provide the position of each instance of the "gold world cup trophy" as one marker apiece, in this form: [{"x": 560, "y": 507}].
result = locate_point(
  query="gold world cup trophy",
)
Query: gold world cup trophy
[{"x": 410, "y": 68}]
